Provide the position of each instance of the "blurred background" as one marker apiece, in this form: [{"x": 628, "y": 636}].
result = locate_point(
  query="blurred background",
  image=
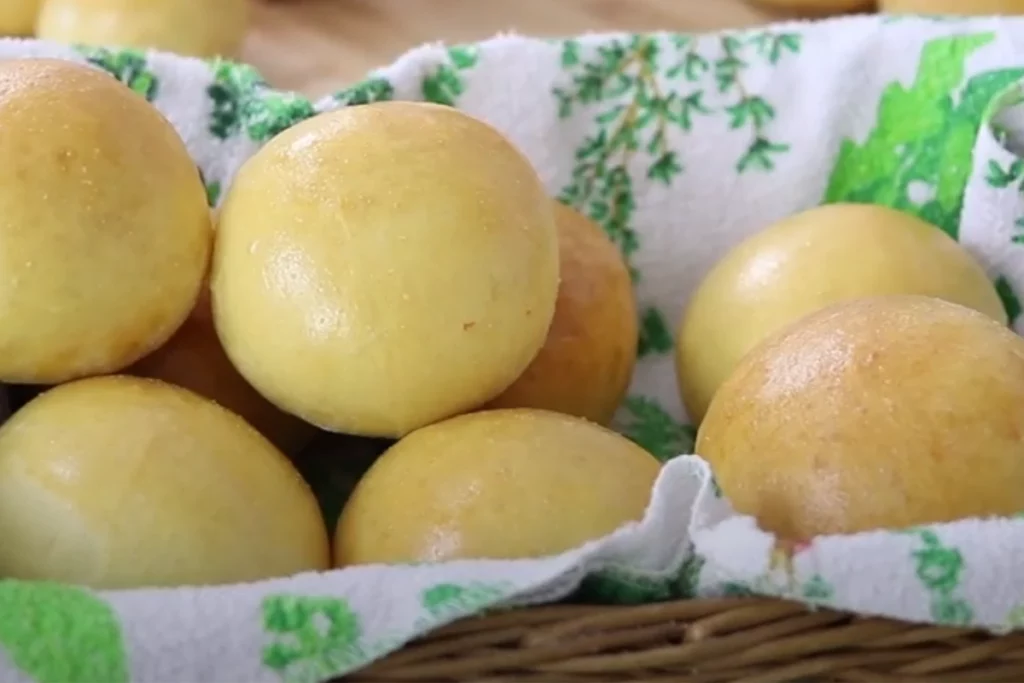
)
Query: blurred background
[
  {"x": 315, "y": 45},
  {"x": 318, "y": 46}
]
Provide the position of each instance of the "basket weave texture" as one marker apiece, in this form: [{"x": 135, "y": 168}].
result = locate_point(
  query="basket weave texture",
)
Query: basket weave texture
[{"x": 732, "y": 640}]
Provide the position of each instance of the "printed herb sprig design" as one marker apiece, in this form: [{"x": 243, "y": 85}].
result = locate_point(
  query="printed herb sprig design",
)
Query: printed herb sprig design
[
  {"x": 940, "y": 570},
  {"x": 126, "y": 65},
  {"x": 1002, "y": 178},
  {"x": 615, "y": 586},
  {"x": 373, "y": 89},
  {"x": 445, "y": 84},
  {"x": 640, "y": 91},
  {"x": 634, "y": 120},
  {"x": 924, "y": 135},
  {"x": 313, "y": 638},
  {"x": 1011, "y": 302},
  {"x": 653, "y": 429},
  {"x": 1008, "y": 177},
  {"x": 749, "y": 111},
  {"x": 244, "y": 104}
]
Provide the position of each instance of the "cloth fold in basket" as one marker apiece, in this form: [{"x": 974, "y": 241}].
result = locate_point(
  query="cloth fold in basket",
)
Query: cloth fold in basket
[{"x": 680, "y": 146}]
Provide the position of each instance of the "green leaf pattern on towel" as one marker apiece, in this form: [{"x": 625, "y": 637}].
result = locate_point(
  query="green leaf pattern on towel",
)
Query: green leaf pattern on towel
[
  {"x": 127, "y": 65},
  {"x": 213, "y": 192},
  {"x": 655, "y": 335},
  {"x": 782, "y": 579},
  {"x": 445, "y": 601},
  {"x": 371, "y": 90},
  {"x": 1008, "y": 176},
  {"x": 642, "y": 90},
  {"x": 655, "y": 430},
  {"x": 940, "y": 570},
  {"x": 61, "y": 634},
  {"x": 1001, "y": 178},
  {"x": 244, "y": 104},
  {"x": 313, "y": 638},
  {"x": 622, "y": 587},
  {"x": 213, "y": 189},
  {"x": 918, "y": 158},
  {"x": 1011, "y": 302},
  {"x": 815, "y": 590},
  {"x": 446, "y": 83}
]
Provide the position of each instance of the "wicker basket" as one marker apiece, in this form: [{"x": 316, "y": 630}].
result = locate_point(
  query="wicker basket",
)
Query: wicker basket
[{"x": 731, "y": 640}]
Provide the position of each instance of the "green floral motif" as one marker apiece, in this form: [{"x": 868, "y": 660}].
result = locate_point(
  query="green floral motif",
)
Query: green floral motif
[
  {"x": 924, "y": 138},
  {"x": 61, "y": 634},
  {"x": 242, "y": 103},
  {"x": 313, "y": 638},
  {"x": 751, "y": 111},
  {"x": 445, "y": 84},
  {"x": 1001, "y": 178},
  {"x": 655, "y": 336},
  {"x": 1011, "y": 302},
  {"x": 641, "y": 89},
  {"x": 617, "y": 587},
  {"x": 689, "y": 576},
  {"x": 1008, "y": 177},
  {"x": 1011, "y": 176},
  {"x": 127, "y": 65},
  {"x": 449, "y": 600},
  {"x": 653, "y": 429},
  {"x": 940, "y": 569},
  {"x": 815, "y": 590},
  {"x": 366, "y": 92},
  {"x": 213, "y": 189}
]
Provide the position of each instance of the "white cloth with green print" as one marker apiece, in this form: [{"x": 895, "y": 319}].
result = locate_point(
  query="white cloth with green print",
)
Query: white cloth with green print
[{"x": 679, "y": 146}]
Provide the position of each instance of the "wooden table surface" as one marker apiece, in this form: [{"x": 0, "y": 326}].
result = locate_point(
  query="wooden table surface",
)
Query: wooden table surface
[{"x": 317, "y": 46}]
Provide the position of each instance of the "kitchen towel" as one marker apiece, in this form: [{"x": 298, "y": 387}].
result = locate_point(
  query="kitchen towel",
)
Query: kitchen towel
[{"x": 679, "y": 146}]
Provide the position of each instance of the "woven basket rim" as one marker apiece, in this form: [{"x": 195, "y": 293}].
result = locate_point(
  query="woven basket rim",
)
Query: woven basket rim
[{"x": 726, "y": 640}]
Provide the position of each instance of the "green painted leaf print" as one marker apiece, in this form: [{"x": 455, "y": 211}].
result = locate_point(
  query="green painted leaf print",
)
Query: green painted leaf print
[
  {"x": 61, "y": 634},
  {"x": 655, "y": 336},
  {"x": 1011, "y": 302},
  {"x": 243, "y": 104},
  {"x": 128, "y": 66},
  {"x": 918, "y": 158},
  {"x": 940, "y": 570},
  {"x": 1008, "y": 177},
  {"x": 817, "y": 589},
  {"x": 213, "y": 192},
  {"x": 654, "y": 430},
  {"x": 366, "y": 92},
  {"x": 639, "y": 91},
  {"x": 619, "y": 587},
  {"x": 213, "y": 189},
  {"x": 313, "y": 638},
  {"x": 446, "y": 83},
  {"x": 448, "y": 600},
  {"x": 1002, "y": 178}
]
